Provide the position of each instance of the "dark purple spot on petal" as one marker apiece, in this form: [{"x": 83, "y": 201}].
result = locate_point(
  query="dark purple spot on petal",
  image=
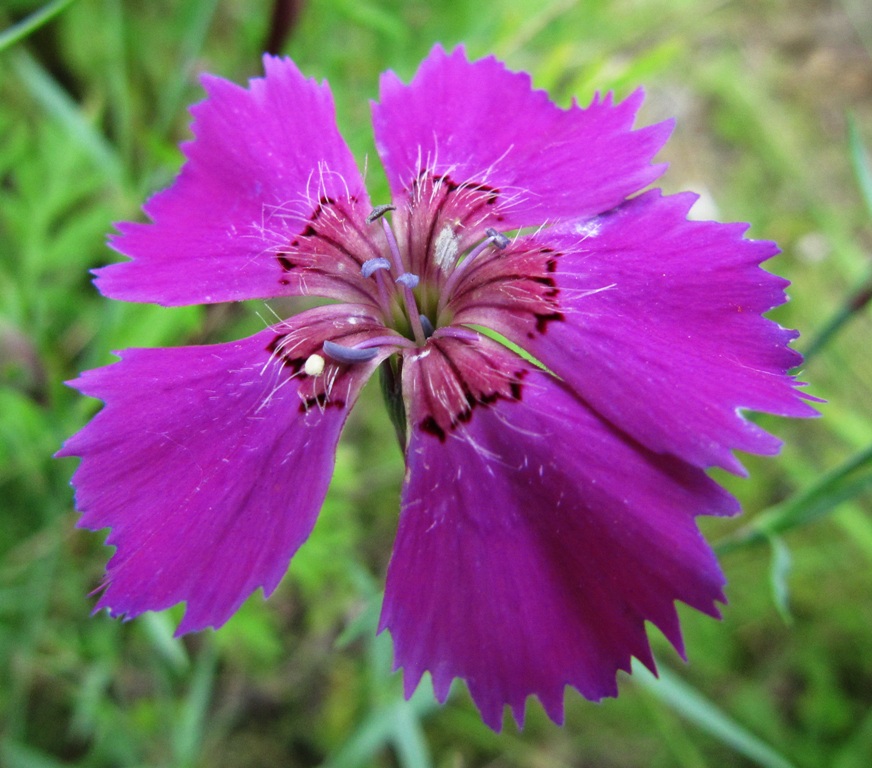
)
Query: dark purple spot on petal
[
  {"x": 333, "y": 243},
  {"x": 462, "y": 377},
  {"x": 439, "y": 203},
  {"x": 520, "y": 282},
  {"x": 322, "y": 401},
  {"x": 543, "y": 280},
  {"x": 431, "y": 427},
  {"x": 543, "y": 320},
  {"x": 295, "y": 364}
]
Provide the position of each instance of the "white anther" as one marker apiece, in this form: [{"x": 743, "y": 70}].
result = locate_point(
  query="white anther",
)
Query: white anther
[
  {"x": 447, "y": 247},
  {"x": 314, "y": 365}
]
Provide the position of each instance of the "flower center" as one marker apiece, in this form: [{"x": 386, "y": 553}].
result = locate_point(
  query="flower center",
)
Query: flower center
[{"x": 406, "y": 309}]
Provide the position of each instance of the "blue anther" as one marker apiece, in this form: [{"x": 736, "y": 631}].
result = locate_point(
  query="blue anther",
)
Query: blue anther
[
  {"x": 498, "y": 238},
  {"x": 408, "y": 279},
  {"x": 348, "y": 355},
  {"x": 378, "y": 212},
  {"x": 427, "y": 326},
  {"x": 371, "y": 266}
]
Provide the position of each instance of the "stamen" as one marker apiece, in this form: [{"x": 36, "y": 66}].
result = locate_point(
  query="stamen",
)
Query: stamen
[
  {"x": 348, "y": 355},
  {"x": 408, "y": 297},
  {"x": 371, "y": 266},
  {"x": 314, "y": 365},
  {"x": 396, "y": 258},
  {"x": 378, "y": 212},
  {"x": 497, "y": 239},
  {"x": 493, "y": 238},
  {"x": 427, "y": 326},
  {"x": 408, "y": 279},
  {"x": 386, "y": 341},
  {"x": 446, "y": 248},
  {"x": 457, "y": 332},
  {"x": 377, "y": 266}
]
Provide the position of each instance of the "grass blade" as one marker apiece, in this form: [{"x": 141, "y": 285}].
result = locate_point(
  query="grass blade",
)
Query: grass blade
[
  {"x": 58, "y": 103},
  {"x": 779, "y": 571},
  {"x": 693, "y": 706},
  {"x": 396, "y": 722},
  {"x": 854, "y": 304},
  {"x": 17, "y": 755},
  {"x": 861, "y": 162},
  {"x": 861, "y": 295},
  {"x": 28, "y": 25},
  {"x": 196, "y": 29},
  {"x": 409, "y": 739},
  {"x": 189, "y": 728},
  {"x": 847, "y": 481}
]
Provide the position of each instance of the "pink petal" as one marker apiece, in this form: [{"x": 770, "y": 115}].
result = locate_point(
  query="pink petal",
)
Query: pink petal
[
  {"x": 481, "y": 124},
  {"x": 534, "y": 543},
  {"x": 210, "y": 463},
  {"x": 655, "y": 321},
  {"x": 265, "y": 163}
]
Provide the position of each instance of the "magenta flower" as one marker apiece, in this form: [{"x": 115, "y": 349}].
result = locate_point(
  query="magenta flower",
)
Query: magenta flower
[{"x": 547, "y": 512}]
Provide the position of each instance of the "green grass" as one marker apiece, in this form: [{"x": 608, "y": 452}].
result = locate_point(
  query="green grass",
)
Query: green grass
[{"x": 774, "y": 127}]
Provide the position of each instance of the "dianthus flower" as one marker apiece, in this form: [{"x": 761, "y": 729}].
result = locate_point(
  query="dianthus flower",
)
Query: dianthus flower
[{"x": 548, "y": 509}]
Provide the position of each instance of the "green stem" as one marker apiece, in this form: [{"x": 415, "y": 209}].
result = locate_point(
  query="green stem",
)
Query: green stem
[
  {"x": 30, "y": 24},
  {"x": 814, "y": 501}
]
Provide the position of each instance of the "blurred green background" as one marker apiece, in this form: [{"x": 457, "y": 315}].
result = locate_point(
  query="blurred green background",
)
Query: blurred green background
[{"x": 774, "y": 106}]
